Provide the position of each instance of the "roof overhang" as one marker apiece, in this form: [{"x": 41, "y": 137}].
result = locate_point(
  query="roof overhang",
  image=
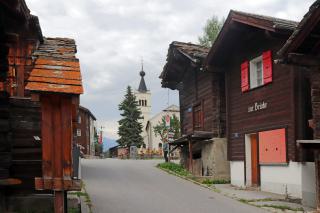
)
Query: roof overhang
[
  {"x": 307, "y": 30},
  {"x": 180, "y": 58},
  {"x": 194, "y": 137},
  {"x": 245, "y": 20}
]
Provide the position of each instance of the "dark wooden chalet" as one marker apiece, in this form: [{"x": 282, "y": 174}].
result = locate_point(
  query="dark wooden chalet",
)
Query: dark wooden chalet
[
  {"x": 302, "y": 53},
  {"x": 85, "y": 131},
  {"x": 20, "y": 151},
  {"x": 267, "y": 104},
  {"x": 202, "y": 106},
  {"x": 21, "y": 119}
]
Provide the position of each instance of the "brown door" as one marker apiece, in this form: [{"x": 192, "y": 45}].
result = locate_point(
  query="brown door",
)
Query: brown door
[{"x": 254, "y": 160}]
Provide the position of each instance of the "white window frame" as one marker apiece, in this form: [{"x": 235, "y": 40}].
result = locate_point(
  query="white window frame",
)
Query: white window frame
[
  {"x": 254, "y": 78},
  {"x": 79, "y": 119},
  {"x": 79, "y": 132}
]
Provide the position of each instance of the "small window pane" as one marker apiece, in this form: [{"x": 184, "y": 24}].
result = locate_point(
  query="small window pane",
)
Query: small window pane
[{"x": 256, "y": 72}]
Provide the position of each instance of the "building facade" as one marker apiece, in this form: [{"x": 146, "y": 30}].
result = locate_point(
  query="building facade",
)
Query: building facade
[
  {"x": 86, "y": 131},
  {"x": 267, "y": 108},
  {"x": 154, "y": 143},
  {"x": 202, "y": 110}
]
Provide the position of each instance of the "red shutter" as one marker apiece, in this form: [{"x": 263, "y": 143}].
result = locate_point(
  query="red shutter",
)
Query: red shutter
[
  {"x": 267, "y": 67},
  {"x": 245, "y": 76}
]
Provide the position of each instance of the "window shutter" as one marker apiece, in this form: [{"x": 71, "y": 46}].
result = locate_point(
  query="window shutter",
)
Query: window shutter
[
  {"x": 267, "y": 67},
  {"x": 245, "y": 76}
]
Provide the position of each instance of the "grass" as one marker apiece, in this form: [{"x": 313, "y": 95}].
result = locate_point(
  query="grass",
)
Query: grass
[
  {"x": 211, "y": 182},
  {"x": 283, "y": 208},
  {"x": 173, "y": 167},
  {"x": 74, "y": 210},
  {"x": 86, "y": 196}
]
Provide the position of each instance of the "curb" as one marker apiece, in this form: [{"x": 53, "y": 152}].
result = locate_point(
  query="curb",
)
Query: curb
[{"x": 186, "y": 178}]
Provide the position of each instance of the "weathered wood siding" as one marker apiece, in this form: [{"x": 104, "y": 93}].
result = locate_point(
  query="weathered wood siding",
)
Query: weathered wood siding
[
  {"x": 25, "y": 121},
  {"x": 279, "y": 96},
  {"x": 206, "y": 88}
]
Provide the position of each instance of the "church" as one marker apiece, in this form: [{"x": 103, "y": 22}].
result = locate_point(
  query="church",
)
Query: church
[
  {"x": 143, "y": 97},
  {"x": 152, "y": 143}
]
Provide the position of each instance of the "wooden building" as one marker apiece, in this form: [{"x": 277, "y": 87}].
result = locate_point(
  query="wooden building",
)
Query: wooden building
[
  {"x": 30, "y": 63},
  {"x": 267, "y": 104},
  {"x": 202, "y": 110},
  {"x": 301, "y": 53},
  {"x": 20, "y": 149},
  {"x": 86, "y": 131}
]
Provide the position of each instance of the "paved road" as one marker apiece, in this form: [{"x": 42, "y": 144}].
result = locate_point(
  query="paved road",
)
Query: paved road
[{"x": 128, "y": 186}]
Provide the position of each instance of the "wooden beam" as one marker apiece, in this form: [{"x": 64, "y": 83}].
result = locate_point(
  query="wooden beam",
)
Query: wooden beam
[
  {"x": 190, "y": 157},
  {"x": 59, "y": 205},
  {"x": 317, "y": 170},
  {"x": 10, "y": 182},
  {"x": 303, "y": 60}
]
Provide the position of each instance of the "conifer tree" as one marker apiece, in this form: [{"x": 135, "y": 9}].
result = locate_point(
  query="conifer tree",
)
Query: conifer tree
[{"x": 130, "y": 128}]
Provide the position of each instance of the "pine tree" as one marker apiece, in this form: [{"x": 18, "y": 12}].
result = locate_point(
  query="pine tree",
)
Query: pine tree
[{"x": 130, "y": 128}]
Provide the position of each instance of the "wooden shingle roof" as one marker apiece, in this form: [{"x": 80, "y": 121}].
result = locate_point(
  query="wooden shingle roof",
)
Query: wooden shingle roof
[
  {"x": 180, "y": 56},
  {"x": 56, "y": 68},
  {"x": 305, "y": 38}
]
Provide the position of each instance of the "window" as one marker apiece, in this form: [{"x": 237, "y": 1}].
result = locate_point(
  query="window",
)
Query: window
[
  {"x": 259, "y": 71},
  {"x": 79, "y": 119},
  {"x": 256, "y": 72},
  {"x": 79, "y": 132},
  {"x": 145, "y": 102},
  {"x": 139, "y": 102}
]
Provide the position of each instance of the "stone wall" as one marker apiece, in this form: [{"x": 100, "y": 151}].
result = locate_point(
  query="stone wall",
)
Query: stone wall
[{"x": 213, "y": 163}]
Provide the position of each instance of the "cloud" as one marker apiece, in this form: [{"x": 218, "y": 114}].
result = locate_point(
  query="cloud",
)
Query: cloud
[{"x": 113, "y": 35}]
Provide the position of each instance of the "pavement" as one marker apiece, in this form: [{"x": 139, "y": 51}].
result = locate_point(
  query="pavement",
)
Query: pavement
[
  {"x": 137, "y": 186},
  {"x": 270, "y": 201}
]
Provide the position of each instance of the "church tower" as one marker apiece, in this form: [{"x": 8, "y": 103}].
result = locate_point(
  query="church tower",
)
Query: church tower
[{"x": 143, "y": 97}]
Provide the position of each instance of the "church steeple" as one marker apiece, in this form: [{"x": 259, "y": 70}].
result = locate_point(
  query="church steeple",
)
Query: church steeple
[{"x": 142, "y": 85}]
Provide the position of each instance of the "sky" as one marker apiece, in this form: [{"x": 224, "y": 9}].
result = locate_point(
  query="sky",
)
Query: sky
[{"x": 113, "y": 35}]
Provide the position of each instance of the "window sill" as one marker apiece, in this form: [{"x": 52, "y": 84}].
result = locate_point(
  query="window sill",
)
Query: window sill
[
  {"x": 274, "y": 164},
  {"x": 255, "y": 88}
]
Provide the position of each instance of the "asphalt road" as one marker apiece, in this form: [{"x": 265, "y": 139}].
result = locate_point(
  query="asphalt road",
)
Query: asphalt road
[{"x": 136, "y": 186}]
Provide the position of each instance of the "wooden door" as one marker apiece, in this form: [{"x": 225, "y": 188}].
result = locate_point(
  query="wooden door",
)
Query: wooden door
[{"x": 254, "y": 160}]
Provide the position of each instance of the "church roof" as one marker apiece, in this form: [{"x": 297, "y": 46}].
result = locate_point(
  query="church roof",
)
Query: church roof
[{"x": 142, "y": 85}]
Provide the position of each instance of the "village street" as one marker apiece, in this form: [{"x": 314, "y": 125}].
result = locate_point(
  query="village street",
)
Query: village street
[{"x": 133, "y": 186}]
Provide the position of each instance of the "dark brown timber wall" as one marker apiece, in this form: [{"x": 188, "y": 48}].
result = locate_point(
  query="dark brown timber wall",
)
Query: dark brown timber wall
[
  {"x": 279, "y": 96},
  {"x": 203, "y": 87}
]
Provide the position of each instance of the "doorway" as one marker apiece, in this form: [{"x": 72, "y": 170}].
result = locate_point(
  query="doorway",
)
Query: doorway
[{"x": 252, "y": 160}]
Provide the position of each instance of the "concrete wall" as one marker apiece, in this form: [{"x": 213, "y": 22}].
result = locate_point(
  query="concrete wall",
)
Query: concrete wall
[
  {"x": 221, "y": 163},
  {"x": 237, "y": 173},
  {"x": 214, "y": 161},
  {"x": 308, "y": 184},
  {"x": 295, "y": 179},
  {"x": 282, "y": 179}
]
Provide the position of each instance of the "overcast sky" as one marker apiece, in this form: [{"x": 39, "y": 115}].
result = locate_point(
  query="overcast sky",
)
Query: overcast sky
[{"x": 113, "y": 35}]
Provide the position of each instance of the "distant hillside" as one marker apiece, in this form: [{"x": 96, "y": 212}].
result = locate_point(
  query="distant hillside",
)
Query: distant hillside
[{"x": 108, "y": 143}]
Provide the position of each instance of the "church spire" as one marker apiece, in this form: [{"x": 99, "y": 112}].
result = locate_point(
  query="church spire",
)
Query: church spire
[{"x": 142, "y": 85}]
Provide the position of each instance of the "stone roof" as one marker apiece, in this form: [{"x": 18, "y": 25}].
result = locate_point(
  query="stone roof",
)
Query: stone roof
[{"x": 56, "y": 68}]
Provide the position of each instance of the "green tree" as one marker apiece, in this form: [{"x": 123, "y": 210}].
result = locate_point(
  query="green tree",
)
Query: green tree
[
  {"x": 162, "y": 130},
  {"x": 211, "y": 31},
  {"x": 130, "y": 128}
]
